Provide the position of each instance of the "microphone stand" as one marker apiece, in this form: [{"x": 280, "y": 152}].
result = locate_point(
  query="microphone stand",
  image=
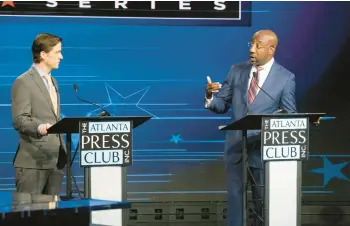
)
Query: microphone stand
[
  {"x": 280, "y": 110},
  {"x": 255, "y": 185},
  {"x": 104, "y": 113},
  {"x": 74, "y": 181}
]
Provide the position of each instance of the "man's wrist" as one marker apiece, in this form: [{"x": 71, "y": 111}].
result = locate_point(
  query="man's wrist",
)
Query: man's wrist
[
  {"x": 208, "y": 101},
  {"x": 39, "y": 128},
  {"x": 209, "y": 98}
]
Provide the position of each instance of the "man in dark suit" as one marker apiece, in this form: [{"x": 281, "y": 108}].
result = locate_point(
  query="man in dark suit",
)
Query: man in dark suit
[
  {"x": 240, "y": 92},
  {"x": 40, "y": 158}
]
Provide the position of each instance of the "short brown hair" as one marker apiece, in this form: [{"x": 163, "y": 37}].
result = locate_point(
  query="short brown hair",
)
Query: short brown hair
[{"x": 43, "y": 42}]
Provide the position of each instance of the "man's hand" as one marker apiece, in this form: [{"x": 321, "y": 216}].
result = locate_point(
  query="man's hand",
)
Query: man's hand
[
  {"x": 212, "y": 88},
  {"x": 43, "y": 128}
]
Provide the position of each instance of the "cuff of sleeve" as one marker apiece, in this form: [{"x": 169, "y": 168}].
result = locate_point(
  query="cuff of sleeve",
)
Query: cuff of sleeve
[{"x": 208, "y": 102}]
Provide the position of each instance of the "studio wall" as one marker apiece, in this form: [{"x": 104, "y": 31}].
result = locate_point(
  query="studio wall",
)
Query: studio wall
[{"x": 160, "y": 71}]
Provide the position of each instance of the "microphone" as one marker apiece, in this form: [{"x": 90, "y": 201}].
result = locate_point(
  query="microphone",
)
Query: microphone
[
  {"x": 104, "y": 111},
  {"x": 280, "y": 110}
]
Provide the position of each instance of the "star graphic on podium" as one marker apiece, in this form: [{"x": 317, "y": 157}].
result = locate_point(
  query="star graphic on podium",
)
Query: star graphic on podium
[
  {"x": 175, "y": 139},
  {"x": 331, "y": 171},
  {"x": 10, "y": 3}
]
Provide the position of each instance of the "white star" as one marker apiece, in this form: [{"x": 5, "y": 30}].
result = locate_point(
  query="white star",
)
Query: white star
[{"x": 125, "y": 100}]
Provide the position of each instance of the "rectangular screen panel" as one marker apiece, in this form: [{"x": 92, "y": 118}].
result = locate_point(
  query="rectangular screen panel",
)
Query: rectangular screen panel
[{"x": 191, "y": 13}]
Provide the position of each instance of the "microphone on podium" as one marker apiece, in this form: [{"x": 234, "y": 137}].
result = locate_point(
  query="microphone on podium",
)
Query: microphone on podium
[{"x": 104, "y": 111}]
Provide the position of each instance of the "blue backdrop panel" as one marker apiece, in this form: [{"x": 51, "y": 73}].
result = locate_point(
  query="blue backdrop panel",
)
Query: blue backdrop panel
[{"x": 161, "y": 71}]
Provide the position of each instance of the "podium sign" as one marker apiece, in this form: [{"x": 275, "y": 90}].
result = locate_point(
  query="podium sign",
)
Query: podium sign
[
  {"x": 107, "y": 143},
  {"x": 284, "y": 139},
  {"x": 284, "y": 145}
]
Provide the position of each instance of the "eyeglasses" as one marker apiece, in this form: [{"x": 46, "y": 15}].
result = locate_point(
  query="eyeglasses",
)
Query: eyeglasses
[{"x": 258, "y": 46}]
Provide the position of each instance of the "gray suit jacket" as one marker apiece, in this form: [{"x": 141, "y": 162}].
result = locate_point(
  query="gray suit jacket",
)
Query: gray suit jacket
[{"x": 32, "y": 106}]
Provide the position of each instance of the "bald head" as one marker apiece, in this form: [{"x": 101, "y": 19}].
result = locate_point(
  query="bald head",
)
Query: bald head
[
  {"x": 267, "y": 36},
  {"x": 264, "y": 44}
]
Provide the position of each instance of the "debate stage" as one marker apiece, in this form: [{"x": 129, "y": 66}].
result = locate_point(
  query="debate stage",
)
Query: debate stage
[{"x": 71, "y": 212}]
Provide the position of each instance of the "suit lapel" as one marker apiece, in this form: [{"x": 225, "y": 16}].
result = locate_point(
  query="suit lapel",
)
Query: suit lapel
[
  {"x": 268, "y": 84},
  {"x": 40, "y": 83},
  {"x": 244, "y": 81}
]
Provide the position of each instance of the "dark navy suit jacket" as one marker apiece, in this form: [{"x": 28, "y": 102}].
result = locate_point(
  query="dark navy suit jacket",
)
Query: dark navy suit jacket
[{"x": 279, "y": 84}]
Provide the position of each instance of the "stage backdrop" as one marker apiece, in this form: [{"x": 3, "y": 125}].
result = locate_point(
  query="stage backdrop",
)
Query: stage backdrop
[{"x": 160, "y": 71}]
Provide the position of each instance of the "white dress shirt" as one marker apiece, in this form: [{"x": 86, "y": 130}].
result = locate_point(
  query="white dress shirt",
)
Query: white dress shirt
[{"x": 263, "y": 73}]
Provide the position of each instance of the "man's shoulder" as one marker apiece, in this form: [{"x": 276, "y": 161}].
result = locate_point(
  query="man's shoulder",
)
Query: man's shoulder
[
  {"x": 284, "y": 71},
  {"x": 24, "y": 77},
  {"x": 241, "y": 66}
]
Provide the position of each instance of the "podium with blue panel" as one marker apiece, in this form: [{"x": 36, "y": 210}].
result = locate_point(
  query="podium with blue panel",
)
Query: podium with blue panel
[{"x": 105, "y": 146}]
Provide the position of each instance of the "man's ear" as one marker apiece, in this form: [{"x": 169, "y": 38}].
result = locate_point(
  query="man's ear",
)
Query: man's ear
[{"x": 42, "y": 55}]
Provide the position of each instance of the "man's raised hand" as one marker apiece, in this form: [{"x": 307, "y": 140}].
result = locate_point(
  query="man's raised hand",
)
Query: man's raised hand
[{"x": 212, "y": 88}]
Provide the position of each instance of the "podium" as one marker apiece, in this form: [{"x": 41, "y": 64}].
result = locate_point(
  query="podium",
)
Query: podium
[
  {"x": 105, "y": 145},
  {"x": 284, "y": 145}
]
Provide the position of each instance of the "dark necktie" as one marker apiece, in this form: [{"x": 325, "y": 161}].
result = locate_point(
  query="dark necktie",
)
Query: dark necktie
[{"x": 253, "y": 87}]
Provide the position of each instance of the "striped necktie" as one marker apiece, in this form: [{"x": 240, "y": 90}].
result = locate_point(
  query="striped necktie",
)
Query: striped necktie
[{"x": 253, "y": 87}]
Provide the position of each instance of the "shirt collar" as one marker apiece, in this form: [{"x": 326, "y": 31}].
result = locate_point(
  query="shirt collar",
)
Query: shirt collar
[
  {"x": 41, "y": 73},
  {"x": 267, "y": 67}
]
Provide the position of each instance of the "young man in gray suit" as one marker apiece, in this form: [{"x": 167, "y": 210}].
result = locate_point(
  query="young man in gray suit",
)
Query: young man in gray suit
[{"x": 40, "y": 158}]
